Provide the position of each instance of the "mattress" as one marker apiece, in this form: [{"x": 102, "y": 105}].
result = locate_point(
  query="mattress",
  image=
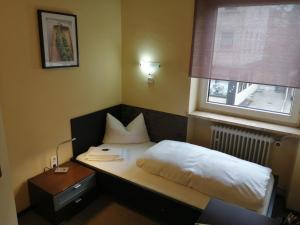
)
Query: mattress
[{"x": 128, "y": 170}]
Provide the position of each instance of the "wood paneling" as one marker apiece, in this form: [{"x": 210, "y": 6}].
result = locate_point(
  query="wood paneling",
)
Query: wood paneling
[{"x": 89, "y": 129}]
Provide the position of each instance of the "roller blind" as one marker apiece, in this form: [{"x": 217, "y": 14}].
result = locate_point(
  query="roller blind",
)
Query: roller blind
[{"x": 247, "y": 41}]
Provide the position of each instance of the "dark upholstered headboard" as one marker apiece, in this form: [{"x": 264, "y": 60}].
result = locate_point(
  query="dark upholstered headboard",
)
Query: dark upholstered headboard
[{"x": 89, "y": 129}]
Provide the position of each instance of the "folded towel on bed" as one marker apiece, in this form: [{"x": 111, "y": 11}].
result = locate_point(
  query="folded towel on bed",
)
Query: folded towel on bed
[{"x": 105, "y": 155}]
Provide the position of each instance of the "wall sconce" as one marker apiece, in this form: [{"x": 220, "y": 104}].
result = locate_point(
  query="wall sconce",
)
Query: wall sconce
[{"x": 149, "y": 68}]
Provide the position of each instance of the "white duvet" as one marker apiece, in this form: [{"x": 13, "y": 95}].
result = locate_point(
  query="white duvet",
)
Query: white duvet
[{"x": 211, "y": 172}]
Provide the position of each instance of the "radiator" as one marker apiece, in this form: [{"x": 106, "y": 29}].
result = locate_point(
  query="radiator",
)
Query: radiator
[{"x": 246, "y": 145}]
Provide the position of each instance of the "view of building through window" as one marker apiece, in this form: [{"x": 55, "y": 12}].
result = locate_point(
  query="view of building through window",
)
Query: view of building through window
[
  {"x": 247, "y": 41},
  {"x": 257, "y": 43},
  {"x": 255, "y": 96}
]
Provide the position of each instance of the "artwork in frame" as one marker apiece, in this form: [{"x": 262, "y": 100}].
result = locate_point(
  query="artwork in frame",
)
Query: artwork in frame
[{"x": 58, "y": 39}]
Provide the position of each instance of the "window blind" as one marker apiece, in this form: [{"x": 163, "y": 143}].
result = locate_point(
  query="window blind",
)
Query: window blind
[{"x": 247, "y": 41}]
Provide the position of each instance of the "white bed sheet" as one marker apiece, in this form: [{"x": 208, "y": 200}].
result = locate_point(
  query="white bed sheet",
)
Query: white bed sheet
[{"x": 128, "y": 170}]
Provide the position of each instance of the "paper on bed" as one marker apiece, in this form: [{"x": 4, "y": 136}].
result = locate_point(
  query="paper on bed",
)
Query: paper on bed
[
  {"x": 105, "y": 158},
  {"x": 213, "y": 173},
  {"x": 102, "y": 154}
]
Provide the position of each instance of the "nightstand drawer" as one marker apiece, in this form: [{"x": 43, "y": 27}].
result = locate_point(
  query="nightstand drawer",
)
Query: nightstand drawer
[{"x": 73, "y": 193}]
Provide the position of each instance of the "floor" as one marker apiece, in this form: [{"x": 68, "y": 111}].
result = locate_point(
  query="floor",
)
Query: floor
[
  {"x": 106, "y": 211},
  {"x": 103, "y": 211}
]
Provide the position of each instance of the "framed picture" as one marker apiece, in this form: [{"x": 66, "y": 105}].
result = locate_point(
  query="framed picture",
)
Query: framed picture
[{"x": 58, "y": 39}]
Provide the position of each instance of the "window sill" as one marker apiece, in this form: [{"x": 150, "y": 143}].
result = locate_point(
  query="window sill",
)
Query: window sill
[{"x": 246, "y": 123}]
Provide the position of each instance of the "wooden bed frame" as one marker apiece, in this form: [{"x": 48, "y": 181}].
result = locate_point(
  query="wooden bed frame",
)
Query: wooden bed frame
[{"x": 89, "y": 131}]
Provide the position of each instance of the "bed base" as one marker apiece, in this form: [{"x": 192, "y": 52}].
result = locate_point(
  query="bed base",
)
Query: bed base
[
  {"x": 273, "y": 197},
  {"x": 148, "y": 202},
  {"x": 154, "y": 204},
  {"x": 89, "y": 131}
]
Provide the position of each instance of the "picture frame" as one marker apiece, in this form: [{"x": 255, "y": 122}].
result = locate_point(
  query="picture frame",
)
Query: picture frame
[{"x": 58, "y": 39}]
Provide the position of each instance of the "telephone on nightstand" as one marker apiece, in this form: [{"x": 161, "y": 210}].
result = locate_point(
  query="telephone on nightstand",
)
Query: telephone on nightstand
[{"x": 61, "y": 170}]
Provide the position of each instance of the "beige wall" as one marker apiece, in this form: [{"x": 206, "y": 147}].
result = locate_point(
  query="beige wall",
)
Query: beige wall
[
  {"x": 37, "y": 103},
  {"x": 294, "y": 196},
  {"x": 162, "y": 31},
  {"x": 8, "y": 214}
]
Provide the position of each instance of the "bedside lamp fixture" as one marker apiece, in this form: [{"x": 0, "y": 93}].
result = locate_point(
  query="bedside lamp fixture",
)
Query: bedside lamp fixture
[
  {"x": 59, "y": 169},
  {"x": 149, "y": 68}
]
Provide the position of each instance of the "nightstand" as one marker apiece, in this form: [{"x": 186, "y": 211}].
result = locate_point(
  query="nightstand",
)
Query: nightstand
[
  {"x": 220, "y": 213},
  {"x": 59, "y": 196}
]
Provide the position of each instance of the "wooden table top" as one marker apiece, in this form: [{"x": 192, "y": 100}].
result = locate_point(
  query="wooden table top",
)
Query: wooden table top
[{"x": 55, "y": 183}]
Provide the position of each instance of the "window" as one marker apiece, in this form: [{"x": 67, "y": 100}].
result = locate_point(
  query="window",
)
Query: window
[
  {"x": 263, "y": 102},
  {"x": 247, "y": 56},
  {"x": 226, "y": 40},
  {"x": 247, "y": 42},
  {"x": 253, "y": 96}
]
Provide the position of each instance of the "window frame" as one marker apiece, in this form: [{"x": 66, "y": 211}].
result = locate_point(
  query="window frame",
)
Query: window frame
[{"x": 268, "y": 116}]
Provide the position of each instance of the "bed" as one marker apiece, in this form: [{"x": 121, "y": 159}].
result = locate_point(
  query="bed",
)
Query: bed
[{"x": 127, "y": 181}]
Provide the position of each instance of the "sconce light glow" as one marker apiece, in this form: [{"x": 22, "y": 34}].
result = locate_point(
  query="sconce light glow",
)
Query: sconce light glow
[{"x": 149, "y": 68}]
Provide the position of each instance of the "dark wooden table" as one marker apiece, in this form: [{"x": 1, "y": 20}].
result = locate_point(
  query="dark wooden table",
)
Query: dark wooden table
[
  {"x": 59, "y": 196},
  {"x": 220, "y": 213}
]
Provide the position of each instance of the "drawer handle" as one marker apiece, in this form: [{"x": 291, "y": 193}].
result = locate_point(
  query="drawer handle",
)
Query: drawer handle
[
  {"x": 78, "y": 200},
  {"x": 77, "y": 186}
]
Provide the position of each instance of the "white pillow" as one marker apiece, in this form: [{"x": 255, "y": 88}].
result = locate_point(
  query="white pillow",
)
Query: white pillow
[{"x": 117, "y": 133}]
